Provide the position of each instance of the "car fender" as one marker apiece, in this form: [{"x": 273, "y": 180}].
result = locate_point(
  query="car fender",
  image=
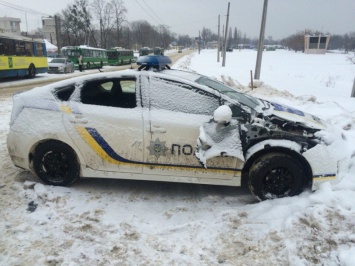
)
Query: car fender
[
  {"x": 324, "y": 166},
  {"x": 288, "y": 144}
]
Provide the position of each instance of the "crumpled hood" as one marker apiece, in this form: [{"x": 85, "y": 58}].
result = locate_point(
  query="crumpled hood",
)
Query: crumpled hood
[{"x": 291, "y": 114}]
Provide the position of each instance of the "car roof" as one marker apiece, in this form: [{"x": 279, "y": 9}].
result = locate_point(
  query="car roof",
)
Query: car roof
[
  {"x": 178, "y": 75},
  {"x": 191, "y": 76}
]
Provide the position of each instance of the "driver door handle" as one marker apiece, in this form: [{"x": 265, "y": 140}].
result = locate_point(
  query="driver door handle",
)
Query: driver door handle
[
  {"x": 157, "y": 129},
  {"x": 78, "y": 119}
]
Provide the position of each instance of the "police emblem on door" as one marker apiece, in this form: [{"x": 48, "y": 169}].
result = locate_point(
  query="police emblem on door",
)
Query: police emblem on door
[{"x": 157, "y": 148}]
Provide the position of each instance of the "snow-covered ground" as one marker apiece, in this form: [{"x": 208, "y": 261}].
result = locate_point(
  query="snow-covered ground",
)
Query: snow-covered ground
[{"x": 120, "y": 222}]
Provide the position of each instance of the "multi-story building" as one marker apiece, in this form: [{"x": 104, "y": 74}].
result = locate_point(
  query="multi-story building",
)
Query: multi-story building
[
  {"x": 49, "y": 32},
  {"x": 10, "y": 25}
]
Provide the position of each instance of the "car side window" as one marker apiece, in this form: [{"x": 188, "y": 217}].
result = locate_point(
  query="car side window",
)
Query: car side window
[
  {"x": 110, "y": 92},
  {"x": 64, "y": 93},
  {"x": 180, "y": 97}
]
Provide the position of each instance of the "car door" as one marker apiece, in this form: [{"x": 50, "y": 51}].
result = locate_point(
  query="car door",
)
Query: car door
[
  {"x": 176, "y": 112},
  {"x": 104, "y": 119}
]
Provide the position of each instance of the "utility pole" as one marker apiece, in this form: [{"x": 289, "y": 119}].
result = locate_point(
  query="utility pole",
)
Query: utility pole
[
  {"x": 26, "y": 24},
  {"x": 57, "y": 32},
  {"x": 225, "y": 38},
  {"x": 353, "y": 91},
  {"x": 219, "y": 37},
  {"x": 222, "y": 41},
  {"x": 199, "y": 42},
  {"x": 261, "y": 42}
]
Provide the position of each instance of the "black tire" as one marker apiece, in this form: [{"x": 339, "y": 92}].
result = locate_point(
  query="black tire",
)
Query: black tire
[
  {"x": 101, "y": 64},
  {"x": 276, "y": 175},
  {"x": 88, "y": 65},
  {"x": 31, "y": 71},
  {"x": 56, "y": 163}
]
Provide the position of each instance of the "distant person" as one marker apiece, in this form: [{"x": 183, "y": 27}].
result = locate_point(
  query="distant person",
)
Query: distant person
[{"x": 80, "y": 63}]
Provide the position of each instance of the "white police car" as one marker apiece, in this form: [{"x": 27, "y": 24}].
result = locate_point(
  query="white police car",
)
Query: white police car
[{"x": 145, "y": 125}]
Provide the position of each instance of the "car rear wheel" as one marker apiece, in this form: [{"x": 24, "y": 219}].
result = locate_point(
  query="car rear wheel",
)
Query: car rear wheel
[
  {"x": 31, "y": 71},
  {"x": 56, "y": 163},
  {"x": 276, "y": 175}
]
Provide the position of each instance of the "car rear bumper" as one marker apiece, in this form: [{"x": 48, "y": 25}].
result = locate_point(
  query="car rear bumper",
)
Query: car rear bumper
[{"x": 18, "y": 146}]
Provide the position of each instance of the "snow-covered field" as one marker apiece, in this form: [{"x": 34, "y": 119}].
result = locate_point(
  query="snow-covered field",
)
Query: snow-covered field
[{"x": 120, "y": 222}]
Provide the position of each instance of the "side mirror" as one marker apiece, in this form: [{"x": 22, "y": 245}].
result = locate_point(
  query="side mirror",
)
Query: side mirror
[{"x": 223, "y": 114}]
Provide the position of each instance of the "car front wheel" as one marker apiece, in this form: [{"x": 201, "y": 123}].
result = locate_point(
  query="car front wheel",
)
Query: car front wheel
[
  {"x": 276, "y": 175},
  {"x": 56, "y": 163}
]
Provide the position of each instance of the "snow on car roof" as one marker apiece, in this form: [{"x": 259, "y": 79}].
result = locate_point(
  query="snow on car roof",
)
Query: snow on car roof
[{"x": 191, "y": 76}]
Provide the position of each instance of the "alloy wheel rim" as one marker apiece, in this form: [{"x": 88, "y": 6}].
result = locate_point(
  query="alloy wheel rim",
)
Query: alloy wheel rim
[{"x": 278, "y": 181}]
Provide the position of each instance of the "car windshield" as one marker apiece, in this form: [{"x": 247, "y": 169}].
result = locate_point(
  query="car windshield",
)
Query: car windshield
[
  {"x": 58, "y": 60},
  {"x": 233, "y": 94}
]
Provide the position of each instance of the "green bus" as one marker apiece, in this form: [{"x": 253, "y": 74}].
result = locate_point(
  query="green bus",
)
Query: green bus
[
  {"x": 93, "y": 57},
  {"x": 145, "y": 51},
  {"x": 158, "y": 51},
  {"x": 21, "y": 56},
  {"x": 116, "y": 57}
]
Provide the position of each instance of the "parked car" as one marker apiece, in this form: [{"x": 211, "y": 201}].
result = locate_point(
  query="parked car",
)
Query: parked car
[
  {"x": 145, "y": 125},
  {"x": 60, "y": 65}
]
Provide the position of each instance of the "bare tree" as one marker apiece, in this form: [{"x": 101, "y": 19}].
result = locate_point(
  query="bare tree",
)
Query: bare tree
[
  {"x": 296, "y": 41},
  {"x": 76, "y": 24},
  {"x": 119, "y": 13},
  {"x": 143, "y": 33},
  {"x": 73, "y": 26},
  {"x": 184, "y": 40},
  {"x": 235, "y": 37},
  {"x": 165, "y": 36},
  {"x": 230, "y": 41},
  {"x": 104, "y": 14}
]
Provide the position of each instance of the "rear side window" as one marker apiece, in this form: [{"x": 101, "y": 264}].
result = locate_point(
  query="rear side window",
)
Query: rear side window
[{"x": 64, "y": 93}]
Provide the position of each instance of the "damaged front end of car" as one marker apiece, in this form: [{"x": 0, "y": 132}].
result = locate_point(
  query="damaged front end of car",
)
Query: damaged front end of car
[{"x": 283, "y": 142}]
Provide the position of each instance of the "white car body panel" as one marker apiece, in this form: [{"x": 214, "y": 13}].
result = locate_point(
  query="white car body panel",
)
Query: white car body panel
[
  {"x": 120, "y": 128},
  {"x": 24, "y": 134}
]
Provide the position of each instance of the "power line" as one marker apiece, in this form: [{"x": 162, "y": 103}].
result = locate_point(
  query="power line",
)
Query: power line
[
  {"x": 22, "y": 8},
  {"x": 147, "y": 12},
  {"x": 153, "y": 12}
]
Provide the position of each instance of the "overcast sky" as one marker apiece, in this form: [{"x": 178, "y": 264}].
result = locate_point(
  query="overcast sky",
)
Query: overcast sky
[{"x": 284, "y": 17}]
